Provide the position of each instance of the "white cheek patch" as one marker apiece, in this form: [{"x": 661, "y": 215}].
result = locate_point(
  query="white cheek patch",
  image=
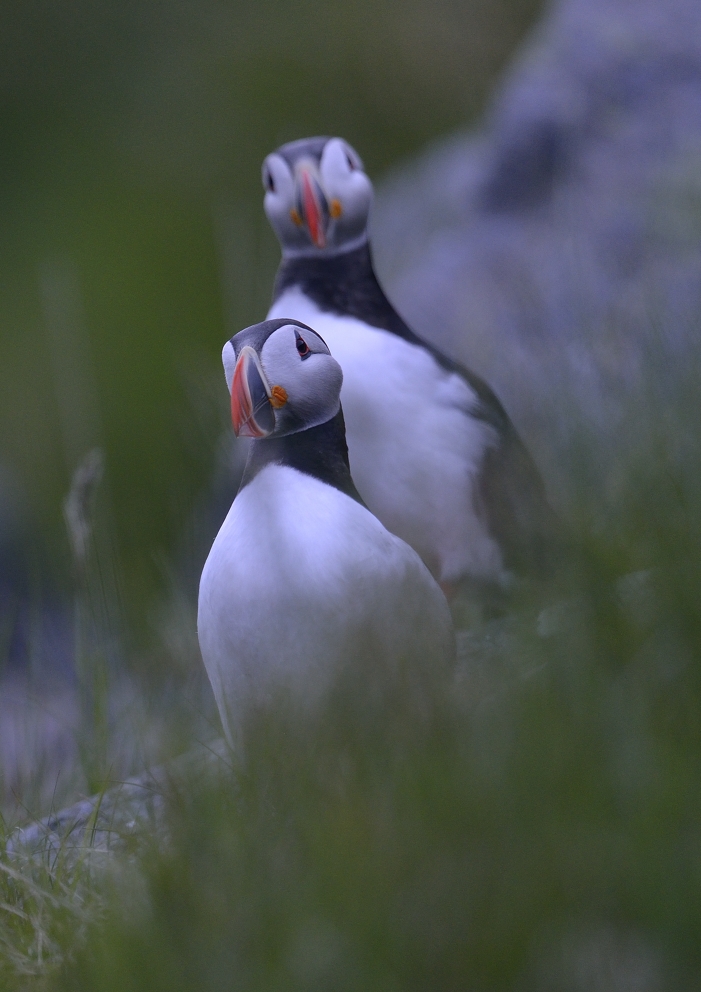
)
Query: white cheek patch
[
  {"x": 340, "y": 180},
  {"x": 279, "y": 202},
  {"x": 313, "y": 385},
  {"x": 334, "y": 159},
  {"x": 279, "y": 358},
  {"x": 353, "y": 191},
  {"x": 228, "y": 357},
  {"x": 328, "y": 379},
  {"x": 283, "y": 180}
]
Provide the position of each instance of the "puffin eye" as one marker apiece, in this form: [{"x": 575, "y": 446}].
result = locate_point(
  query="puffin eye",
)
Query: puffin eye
[
  {"x": 268, "y": 181},
  {"x": 302, "y": 346},
  {"x": 351, "y": 163}
]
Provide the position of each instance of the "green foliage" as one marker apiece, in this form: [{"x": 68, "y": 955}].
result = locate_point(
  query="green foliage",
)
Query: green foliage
[
  {"x": 547, "y": 798},
  {"x": 47, "y": 901}
]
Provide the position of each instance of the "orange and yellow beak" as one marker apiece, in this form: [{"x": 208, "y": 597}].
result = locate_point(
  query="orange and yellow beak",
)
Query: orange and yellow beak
[
  {"x": 312, "y": 206},
  {"x": 252, "y": 412}
]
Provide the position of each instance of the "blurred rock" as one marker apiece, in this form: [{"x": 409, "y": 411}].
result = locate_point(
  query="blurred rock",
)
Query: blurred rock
[
  {"x": 122, "y": 814},
  {"x": 558, "y": 253}
]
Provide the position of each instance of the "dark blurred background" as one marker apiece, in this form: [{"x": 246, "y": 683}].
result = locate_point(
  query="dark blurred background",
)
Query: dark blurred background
[{"x": 133, "y": 237}]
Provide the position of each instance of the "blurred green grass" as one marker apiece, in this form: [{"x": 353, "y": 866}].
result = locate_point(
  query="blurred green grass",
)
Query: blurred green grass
[
  {"x": 133, "y": 135},
  {"x": 540, "y": 824}
]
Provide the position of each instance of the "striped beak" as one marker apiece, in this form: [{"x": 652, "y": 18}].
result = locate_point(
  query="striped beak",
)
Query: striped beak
[
  {"x": 312, "y": 206},
  {"x": 252, "y": 412}
]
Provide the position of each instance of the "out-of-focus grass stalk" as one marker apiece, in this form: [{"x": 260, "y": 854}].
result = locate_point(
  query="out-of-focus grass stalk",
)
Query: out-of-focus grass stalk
[
  {"x": 94, "y": 586},
  {"x": 90, "y": 610}
]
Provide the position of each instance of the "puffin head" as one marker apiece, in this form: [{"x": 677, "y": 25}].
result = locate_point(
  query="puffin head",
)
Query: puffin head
[
  {"x": 282, "y": 379},
  {"x": 317, "y": 196}
]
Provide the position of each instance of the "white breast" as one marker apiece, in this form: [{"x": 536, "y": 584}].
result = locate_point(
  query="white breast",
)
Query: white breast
[
  {"x": 415, "y": 452},
  {"x": 300, "y": 579}
]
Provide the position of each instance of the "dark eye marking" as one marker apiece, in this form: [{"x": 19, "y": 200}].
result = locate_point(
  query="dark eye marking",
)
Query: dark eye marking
[
  {"x": 351, "y": 163},
  {"x": 268, "y": 181},
  {"x": 303, "y": 349}
]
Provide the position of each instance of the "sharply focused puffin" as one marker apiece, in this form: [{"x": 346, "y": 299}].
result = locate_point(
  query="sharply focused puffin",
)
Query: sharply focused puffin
[
  {"x": 302, "y": 579},
  {"x": 432, "y": 450}
]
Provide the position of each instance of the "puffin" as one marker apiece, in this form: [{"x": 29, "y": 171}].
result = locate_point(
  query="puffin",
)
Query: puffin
[
  {"x": 432, "y": 450},
  {"x": 302, "y": 579}
]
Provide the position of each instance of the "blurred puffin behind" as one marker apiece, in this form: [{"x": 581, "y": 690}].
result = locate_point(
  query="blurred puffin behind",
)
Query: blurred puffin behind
[
  {"x": 432, "y": 450},
  {"x": 302, "y": 580}
]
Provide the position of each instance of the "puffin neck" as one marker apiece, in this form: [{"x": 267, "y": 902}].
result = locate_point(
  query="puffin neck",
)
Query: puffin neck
[
  {"x": 344, "y": 284},
  {"x": 320, "y": 452},
  {"x": 311, "y": 252}
]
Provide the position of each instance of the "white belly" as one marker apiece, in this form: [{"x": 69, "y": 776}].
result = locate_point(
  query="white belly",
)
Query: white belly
[
  {"x": 300, "y": 581},
  {"x": 415, "y": 452}
]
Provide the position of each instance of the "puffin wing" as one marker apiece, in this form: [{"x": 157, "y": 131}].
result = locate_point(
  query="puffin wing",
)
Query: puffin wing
[{"x": 511, "y": 493}]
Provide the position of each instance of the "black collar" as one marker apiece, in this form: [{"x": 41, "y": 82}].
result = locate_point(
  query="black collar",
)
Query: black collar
[
  {"x": 321, "y": 452},
  {"x": 344, "y": 284}
]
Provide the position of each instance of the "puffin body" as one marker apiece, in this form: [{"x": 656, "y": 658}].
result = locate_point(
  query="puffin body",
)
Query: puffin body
[
  {"x": 302, "y": 579},
  {"x": 432, "y": 450}
]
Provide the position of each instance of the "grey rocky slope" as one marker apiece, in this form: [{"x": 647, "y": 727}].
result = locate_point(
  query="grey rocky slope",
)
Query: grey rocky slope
[{"x": 558, "y": 252}]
